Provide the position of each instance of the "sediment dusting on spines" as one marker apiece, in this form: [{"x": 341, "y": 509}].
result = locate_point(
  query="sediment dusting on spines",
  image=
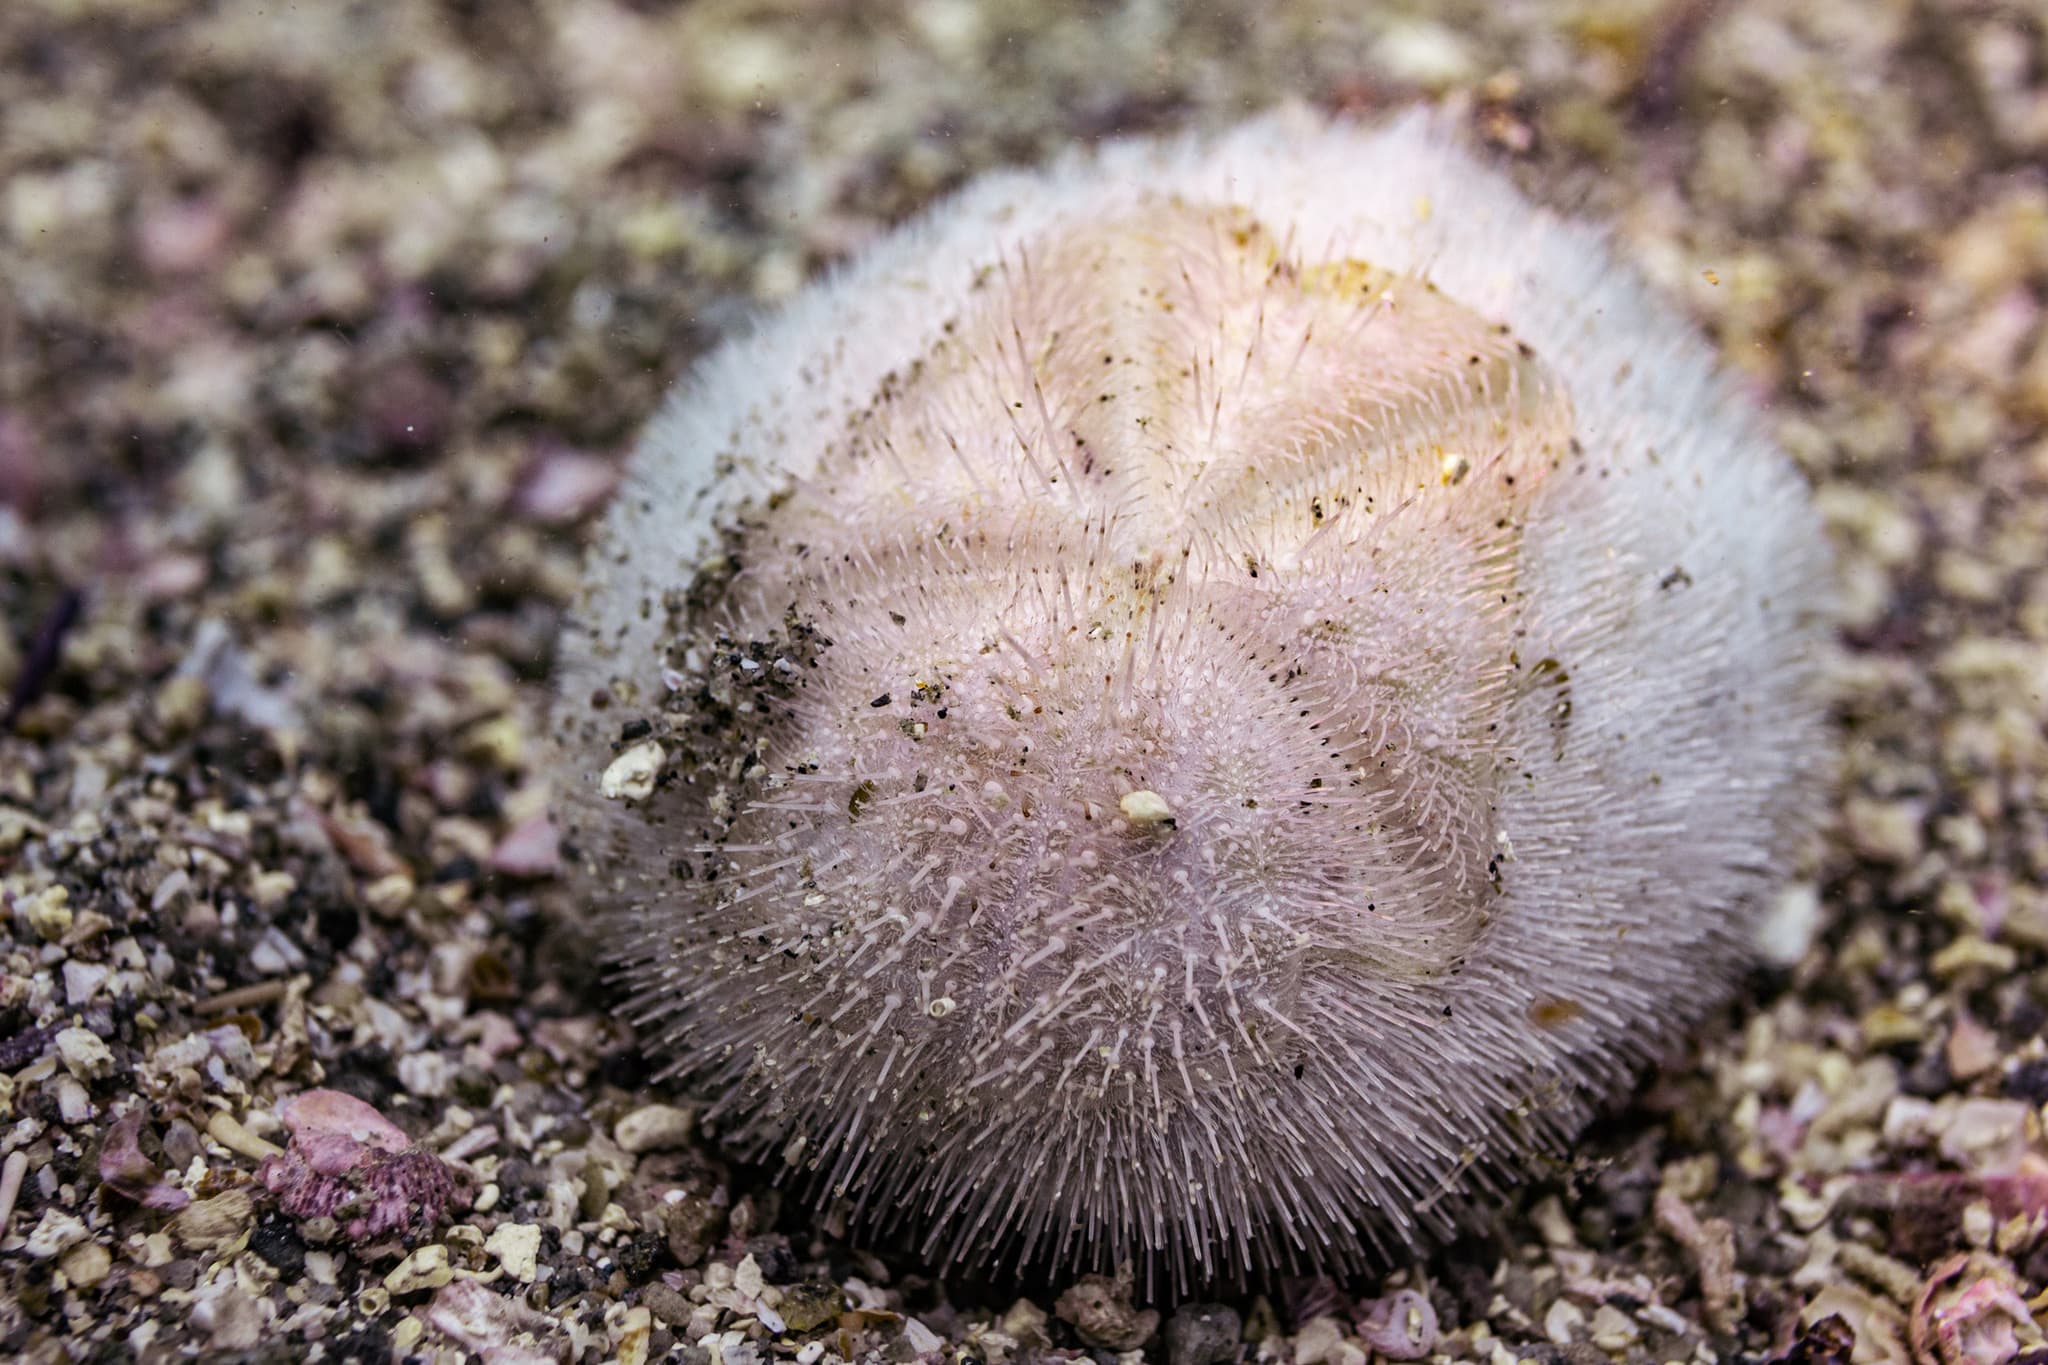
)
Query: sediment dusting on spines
[{"x": 1185, "y": 750}]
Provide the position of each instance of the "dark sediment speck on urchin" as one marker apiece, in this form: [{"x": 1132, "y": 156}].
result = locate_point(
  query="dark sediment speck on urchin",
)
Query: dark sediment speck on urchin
[{"x": 1198, "y": 708}]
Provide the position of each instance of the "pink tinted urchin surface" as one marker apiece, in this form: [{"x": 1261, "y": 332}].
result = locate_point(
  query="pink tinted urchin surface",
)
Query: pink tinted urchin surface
[{"x": 1207, "y": 703}]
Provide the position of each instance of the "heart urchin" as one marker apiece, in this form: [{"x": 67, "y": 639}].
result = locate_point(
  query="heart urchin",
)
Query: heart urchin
[{"x": 1199, "y": 706}]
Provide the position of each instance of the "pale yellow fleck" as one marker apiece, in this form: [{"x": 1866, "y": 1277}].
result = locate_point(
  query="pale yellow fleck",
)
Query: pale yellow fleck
[{"x": 1145, "y": 808}]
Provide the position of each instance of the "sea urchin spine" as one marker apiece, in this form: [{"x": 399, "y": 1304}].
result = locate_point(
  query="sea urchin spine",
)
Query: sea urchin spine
[{"x": 1198, "y": 707}]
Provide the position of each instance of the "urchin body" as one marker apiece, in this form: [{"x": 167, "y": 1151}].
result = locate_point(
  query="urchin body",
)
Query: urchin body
[{"x": 1207, "y": 703}]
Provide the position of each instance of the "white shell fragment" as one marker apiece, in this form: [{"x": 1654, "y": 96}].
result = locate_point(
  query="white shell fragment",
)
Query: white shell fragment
[
  {"x": 1207, "y": 703},
  {"x": 631, "y": 776}
]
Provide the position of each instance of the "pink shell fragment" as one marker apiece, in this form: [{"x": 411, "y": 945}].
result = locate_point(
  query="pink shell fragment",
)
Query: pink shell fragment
[
  {"x": 350, "y": 1163},
  {"x": 125, "y": 1169}
]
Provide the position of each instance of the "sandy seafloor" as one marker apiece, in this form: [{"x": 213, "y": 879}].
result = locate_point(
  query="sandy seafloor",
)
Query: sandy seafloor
[{"x": 324, "y": 327}]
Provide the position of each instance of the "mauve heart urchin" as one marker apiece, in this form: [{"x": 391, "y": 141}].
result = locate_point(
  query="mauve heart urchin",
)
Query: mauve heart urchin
[{"x": 1200, "y": 706}]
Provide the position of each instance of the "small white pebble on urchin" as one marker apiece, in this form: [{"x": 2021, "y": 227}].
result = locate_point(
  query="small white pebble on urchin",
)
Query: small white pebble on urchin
[{"x": 1211, "y": 701}]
